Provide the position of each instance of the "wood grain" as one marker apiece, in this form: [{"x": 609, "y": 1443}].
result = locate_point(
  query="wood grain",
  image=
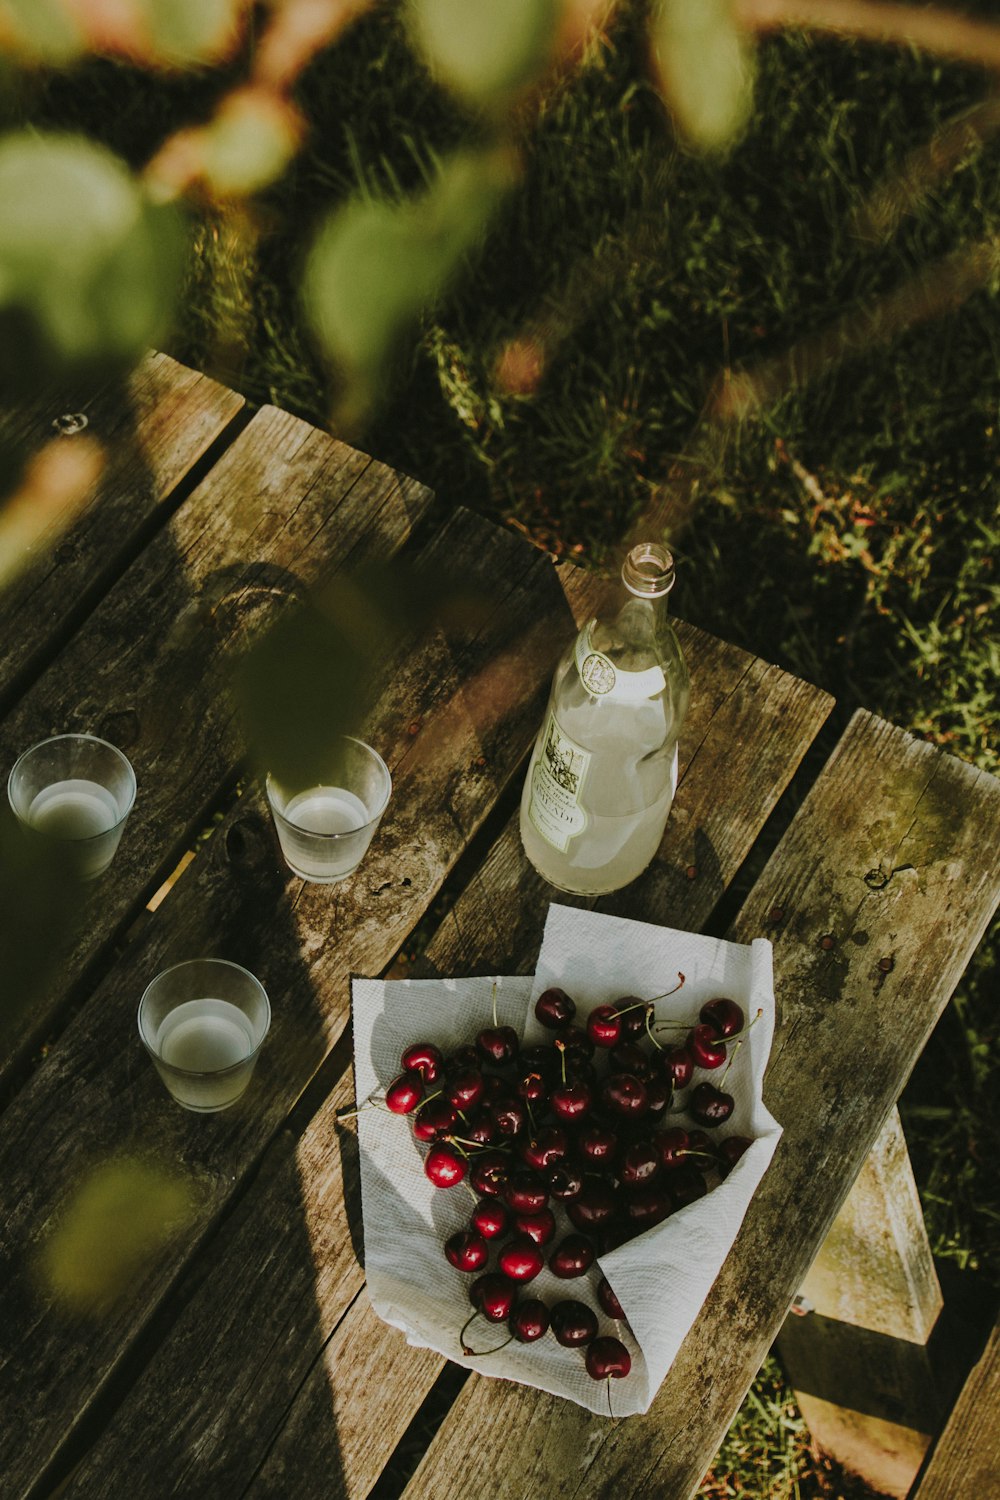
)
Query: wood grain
[
  {"x": 154, "y": 427},
  {"x": 748, "y": 727},
  {"x": 160, "y": 1405},
  {"x": 238, "y": 901},
  {"x": 150, "y": 669},
  {"x": 966, "y": 1459},
  {"x": 851, "y": 1029}
]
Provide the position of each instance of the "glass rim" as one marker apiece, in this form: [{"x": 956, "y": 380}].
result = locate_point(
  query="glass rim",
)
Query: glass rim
[
  {"x": 185, "y": 963},
  {"x": 54, "y": 739},
  {"x": 270, "y": 780}
]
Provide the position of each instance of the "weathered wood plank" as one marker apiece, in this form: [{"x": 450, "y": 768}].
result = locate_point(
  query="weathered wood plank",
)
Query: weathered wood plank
[
  {"x": 864, "y": 963},
  {"x": 748, "y": 727},
  {"x": 242, "y": 1272},
  {"x": 966, "y": 1459},
  {"x": 149, "y": 670},
  {"x": 153, "y": 428},
  {"x": 297, "y": 1227},
  {"x": 236, "y": 900},
  {"x": 876, "y": 1269}
]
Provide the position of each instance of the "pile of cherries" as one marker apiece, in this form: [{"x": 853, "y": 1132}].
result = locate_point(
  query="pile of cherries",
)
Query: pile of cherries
[{"x": 576, "y": 1124}]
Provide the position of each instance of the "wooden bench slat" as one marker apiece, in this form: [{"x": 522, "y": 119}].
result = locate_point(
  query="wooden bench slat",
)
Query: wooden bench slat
[
  {"x": 153, "y": 428},
  {"x": 403, "y": 1375},
  {"x": 285, "y": 506},
  {"x": 966, "y": 1458},
  {"x": 837, "y": 1068},
  {"x": 237, "y": 900}
]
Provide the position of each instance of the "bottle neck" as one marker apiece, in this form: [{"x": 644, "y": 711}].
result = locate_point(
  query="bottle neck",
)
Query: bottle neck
[{"x": 648, "y": 571}]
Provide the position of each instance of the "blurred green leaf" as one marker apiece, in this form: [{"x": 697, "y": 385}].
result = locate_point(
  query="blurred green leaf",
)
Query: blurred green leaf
[
  {"x": 485, "y": 52},
  {"x": 249, "y": 143},
  {"x": 85, "y": 259},
  {"x": 39, "y": 898},
  {"x": 188, "y": 31},
  {"x": 705, "y": 67},
  {"x": 315, "y": 674},
  {"x": 112, "y": 1227},
  {"x": 40, "y": 30},
  {"x": 374, "y": 267}
]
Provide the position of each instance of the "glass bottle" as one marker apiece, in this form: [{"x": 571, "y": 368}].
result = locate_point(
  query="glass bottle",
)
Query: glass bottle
[{"x": 603, "y": 771}]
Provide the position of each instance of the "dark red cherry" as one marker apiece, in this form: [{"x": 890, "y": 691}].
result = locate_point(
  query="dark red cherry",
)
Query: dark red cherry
[
  {"x": 686, "y": 1185},
  {"x": 463, "y": 1057},
  {"x": 540, "y": 1227},
  {"x": 597, "y": 1144},
  {"x": 466, "y": 1250},
  {"x": 607, "y": 1359},
  {"x": 574, "y": 1039},
  {"x": 706, "y": 1047},
  {"x": 521, "y": 1259},
  {"x": 608, "y": 1300},
  {"x": 529, "y": 1321},
  {"x": 678, "y": 1066},
  {"x": 554, "y": 1008},
  {"x": 571, "y": 1101},
  {"x": 725, "y": 1016},
  {"x": 444, "y": 1165},
  {"x": 494, "y": 1296},
  {"x": 573, "y": 1256},
  {"x": 672, "y": 1145},
  {"x": 404, "y": 1093},
  {"x": 433, "y": 1119},
  {"x": 596, "y": 1205},
  {"x": 640, "y": 1163},
  {"x": 658, "y": 1097},
  {"x": 532, "y": 1087},
  {"x": 730, "y": 1150},
  {"x": 648, "y": 1206},
  {"x": 628, "y": 1057},
  {"x": 490, "y": 1218},
  {"x": 464, "y": 1090},
  {"x": 710, "y": 1106},
  {"x": 497, "y": 1044},
  {"x": 565, "y": 1181},
  {"x": 480, "y": 1128},
  {"x": 604, "y": 1026},
  {"x": 488, "y": 1173},
  {"x": 525, "y": 1191},
  {"x": 573, "y": 1323},
  {"x": 633, "y": 1013},
  {"x": 510, "y": 1114},
  {"x": 426, "y": 1059},
  {"x": 549, "y": 1146},
  {"x": 624, "y": 1095}
]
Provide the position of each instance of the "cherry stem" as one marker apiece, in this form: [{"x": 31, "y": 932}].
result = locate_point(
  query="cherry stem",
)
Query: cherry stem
[
  {"x": 702, "y": 1155},
  {"x": 350, "y": 1114},
  {"x": 460, "y": 1140},
  {"x": 436, "y": 1095},
  {"x": 477, "y": 1353},
  {"x": 732, "y": 1056},
  {"x": 562, "y": 1058},
  {"x": 531, "y": 1117},
  {"x": 649, "y": 1027},
  {"x": 610, "y": 1412},
  {"x": 494, "y": 1002}
]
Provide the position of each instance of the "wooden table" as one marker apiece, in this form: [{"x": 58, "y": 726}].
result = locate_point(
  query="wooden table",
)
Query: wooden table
[{"x": 246, "y": 1360}]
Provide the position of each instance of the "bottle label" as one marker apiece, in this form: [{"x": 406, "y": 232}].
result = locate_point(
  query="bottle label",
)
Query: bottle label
[
  {"x": 556, "y": 783},
  {"x": 602, "y": 679}
]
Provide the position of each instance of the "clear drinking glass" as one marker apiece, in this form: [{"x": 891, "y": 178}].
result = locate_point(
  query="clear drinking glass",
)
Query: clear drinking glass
[
  {"x": 325, "y": 829},
  {"x": 203, "y": 1023},
  {"x": 76, "y": 790}
]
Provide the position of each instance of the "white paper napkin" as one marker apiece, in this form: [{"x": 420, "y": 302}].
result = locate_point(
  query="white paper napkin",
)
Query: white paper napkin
[{"x": 662, "y": 1277}]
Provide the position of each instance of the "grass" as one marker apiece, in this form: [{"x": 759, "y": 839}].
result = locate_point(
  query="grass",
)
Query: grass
[{"x": 849, "y": 533}]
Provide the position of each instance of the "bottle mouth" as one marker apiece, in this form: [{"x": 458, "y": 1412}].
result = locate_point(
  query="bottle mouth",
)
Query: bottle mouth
[{"x": 648, "y": 571}]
